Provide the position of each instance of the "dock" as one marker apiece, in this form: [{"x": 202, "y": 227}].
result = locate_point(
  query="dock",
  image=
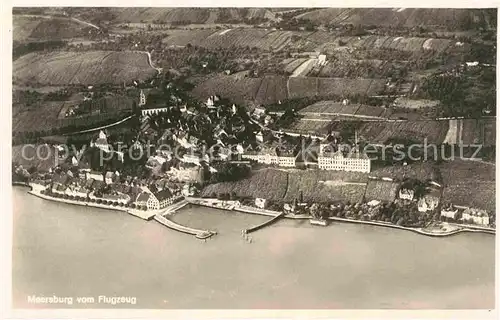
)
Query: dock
[
  {"x": 266, "y": 223},
  {"x": 199, "y": 234}
]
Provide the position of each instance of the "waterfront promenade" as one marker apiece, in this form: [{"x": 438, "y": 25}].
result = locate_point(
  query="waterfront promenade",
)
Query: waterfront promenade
[{"x": 143, "y": 214}]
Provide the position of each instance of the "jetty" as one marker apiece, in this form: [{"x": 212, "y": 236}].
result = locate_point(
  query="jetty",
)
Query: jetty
[
  {"x": 199, "y": 234},
  {"x": 266, "y": 223}
]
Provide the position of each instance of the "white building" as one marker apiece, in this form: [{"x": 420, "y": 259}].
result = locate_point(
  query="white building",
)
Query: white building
[
  {"x": 265, "y": 156},
  {"x": 152, "y": 111},
  {"x": 260, "y": 203},
  {"x": 322, "y": 59},
  {"x": 355, "y": 161},
  {"x": 475, "y": 216},
  {"x": 449, "y": 213},
  {"x": 142, "y": 99},
  {"x": 101, "y": 142},
  {"x": 406, "y": 194},
  {"x": 157, "y": 200},
  {"x": 286, "y": 160}
]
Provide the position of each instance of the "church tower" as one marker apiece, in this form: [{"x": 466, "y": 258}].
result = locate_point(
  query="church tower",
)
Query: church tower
[{"x": 142, "y": 99}]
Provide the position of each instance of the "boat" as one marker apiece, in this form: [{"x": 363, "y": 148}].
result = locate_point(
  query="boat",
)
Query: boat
[{"x": 318, "y": 222}]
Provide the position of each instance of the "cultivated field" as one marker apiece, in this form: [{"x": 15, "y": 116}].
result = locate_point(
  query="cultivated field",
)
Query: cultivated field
[
  {"x": 325, "y": 186},
  {"x": 188, "y": 15},
  {"x": 411, "y": 44},
  {"x": 88, "y": 68},
  {"x": 231, "y": 87},
  {"x": 27, "y": 156},
  {"x": 309, "y": 87},
  {"x": 331, "y": 108},
  {"x": 478, "y": 131},
  {"x": 381, "y": 132},
  {"x": 448, "y": 18},
  {"x": 271, "y": 89},
  {"x": 267, "y": 183},
  {"x": 469, "y": 183},
  {"x": 40, "y": 117},
  {"x": 381, "y": 190},
  {"x": 262, "y": 39},
  {"x": 35, "y": 28},
  {"x": 422, "y": 171}
]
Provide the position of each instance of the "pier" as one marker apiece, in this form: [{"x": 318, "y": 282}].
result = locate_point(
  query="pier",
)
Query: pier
[
  {"x": 199, "y": 234},
  {"x": 266, "y": 223}
]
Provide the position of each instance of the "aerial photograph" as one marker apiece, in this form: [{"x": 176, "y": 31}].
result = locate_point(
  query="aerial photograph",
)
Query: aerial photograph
[{"x": 253, "y": 158}]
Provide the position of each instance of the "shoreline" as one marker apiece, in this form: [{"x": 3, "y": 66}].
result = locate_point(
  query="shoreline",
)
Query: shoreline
[
  {"x": 145, "y": 215},
  {"x": 149, "y": 215},
  {"x": 269, "y": 213}
]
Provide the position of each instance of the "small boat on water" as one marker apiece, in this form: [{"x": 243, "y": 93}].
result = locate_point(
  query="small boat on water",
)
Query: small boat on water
[{"x": 318, "y": 222}]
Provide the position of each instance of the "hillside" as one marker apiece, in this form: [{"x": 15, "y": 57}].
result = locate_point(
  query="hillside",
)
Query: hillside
[
  {"x": 450, "y": 19},
  {"x": 36, "y": 28},
  {"x": 189, "y": 15},
  {"x": 88, "y": 68},
  {"x": 271, "y": 89}
]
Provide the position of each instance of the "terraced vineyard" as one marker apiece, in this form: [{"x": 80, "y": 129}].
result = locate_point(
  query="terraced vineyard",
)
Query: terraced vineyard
[
  {"x": 381, "y": 132},
  {"x": 460, "y": 177},
  {"x": 242, "y": 37},
  {"x": 271, "y": 89},
  {"x": 408, "y": 17},
  {"x": 87, "y": 68},
  {"x": 36, "y": 28}
]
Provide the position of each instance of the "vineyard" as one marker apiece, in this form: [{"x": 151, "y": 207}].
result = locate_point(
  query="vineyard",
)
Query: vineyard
[
  {"x": 421, "y": 171},
  {"x": 87, "y": 68},
  {"x": 381, "y": 132},
  {"x": 27, "y": 156},
  {"x": 381, "y": 190},
  {"x": 450, "y": 19},
  {"x": 478, "y": 131},
  {"x": 39, "y": 117},
  {"x": 182, "y": 16},
  {"x": 271, "y": 89},
  {"x": 411, "y": 44},
  {"x": 460, "y": 177},
  {"x": 31, "y": 28},
  {"x": 269, "y": 184},
  {"x": 329, "y": 108},
  {"x": 325, "y": 186},
  {"x": 232, "y": 38}
]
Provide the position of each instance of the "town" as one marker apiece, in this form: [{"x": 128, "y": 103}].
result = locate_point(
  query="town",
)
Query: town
[{"x": 288, "y": 134}]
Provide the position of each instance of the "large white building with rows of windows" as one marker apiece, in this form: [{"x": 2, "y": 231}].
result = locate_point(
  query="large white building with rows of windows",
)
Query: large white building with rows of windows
[{"x": 353, "y": 161}]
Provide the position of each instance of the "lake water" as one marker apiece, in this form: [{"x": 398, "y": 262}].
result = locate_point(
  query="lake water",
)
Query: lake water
[{"x": 75, "y": 251}]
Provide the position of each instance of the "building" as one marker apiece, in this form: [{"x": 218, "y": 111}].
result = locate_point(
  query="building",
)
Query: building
[
  {"x": 475, "y": 216},
  {"x": 94, "y": 175},
  {"x": 101, "y": 142},
  {"x": 428, "y": 202},
  {"x": 157, "y": 200},
  {"x": 142, "y": 99},
  {"x": 406, "y": 194},
  {"x": 153, "y": 111},
  {"x": 449, "y": 212},
  {"x": 287, "y": 158},
  {"x": 266, "y": 155},
  {"x": 354, "y": 161},
  {"x": 260, "y": 203},
  {"x": 322, "y": 59}
]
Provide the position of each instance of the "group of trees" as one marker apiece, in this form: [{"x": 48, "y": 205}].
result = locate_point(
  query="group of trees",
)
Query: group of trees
[
  {"x": 88, "y": 199},
  {"x": 463, "y": 93},
  {"x": 227, "y": 172}
]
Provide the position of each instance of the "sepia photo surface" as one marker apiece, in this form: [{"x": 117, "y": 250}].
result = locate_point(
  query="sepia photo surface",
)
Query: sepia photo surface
[{"x": 253, "y": 158}]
